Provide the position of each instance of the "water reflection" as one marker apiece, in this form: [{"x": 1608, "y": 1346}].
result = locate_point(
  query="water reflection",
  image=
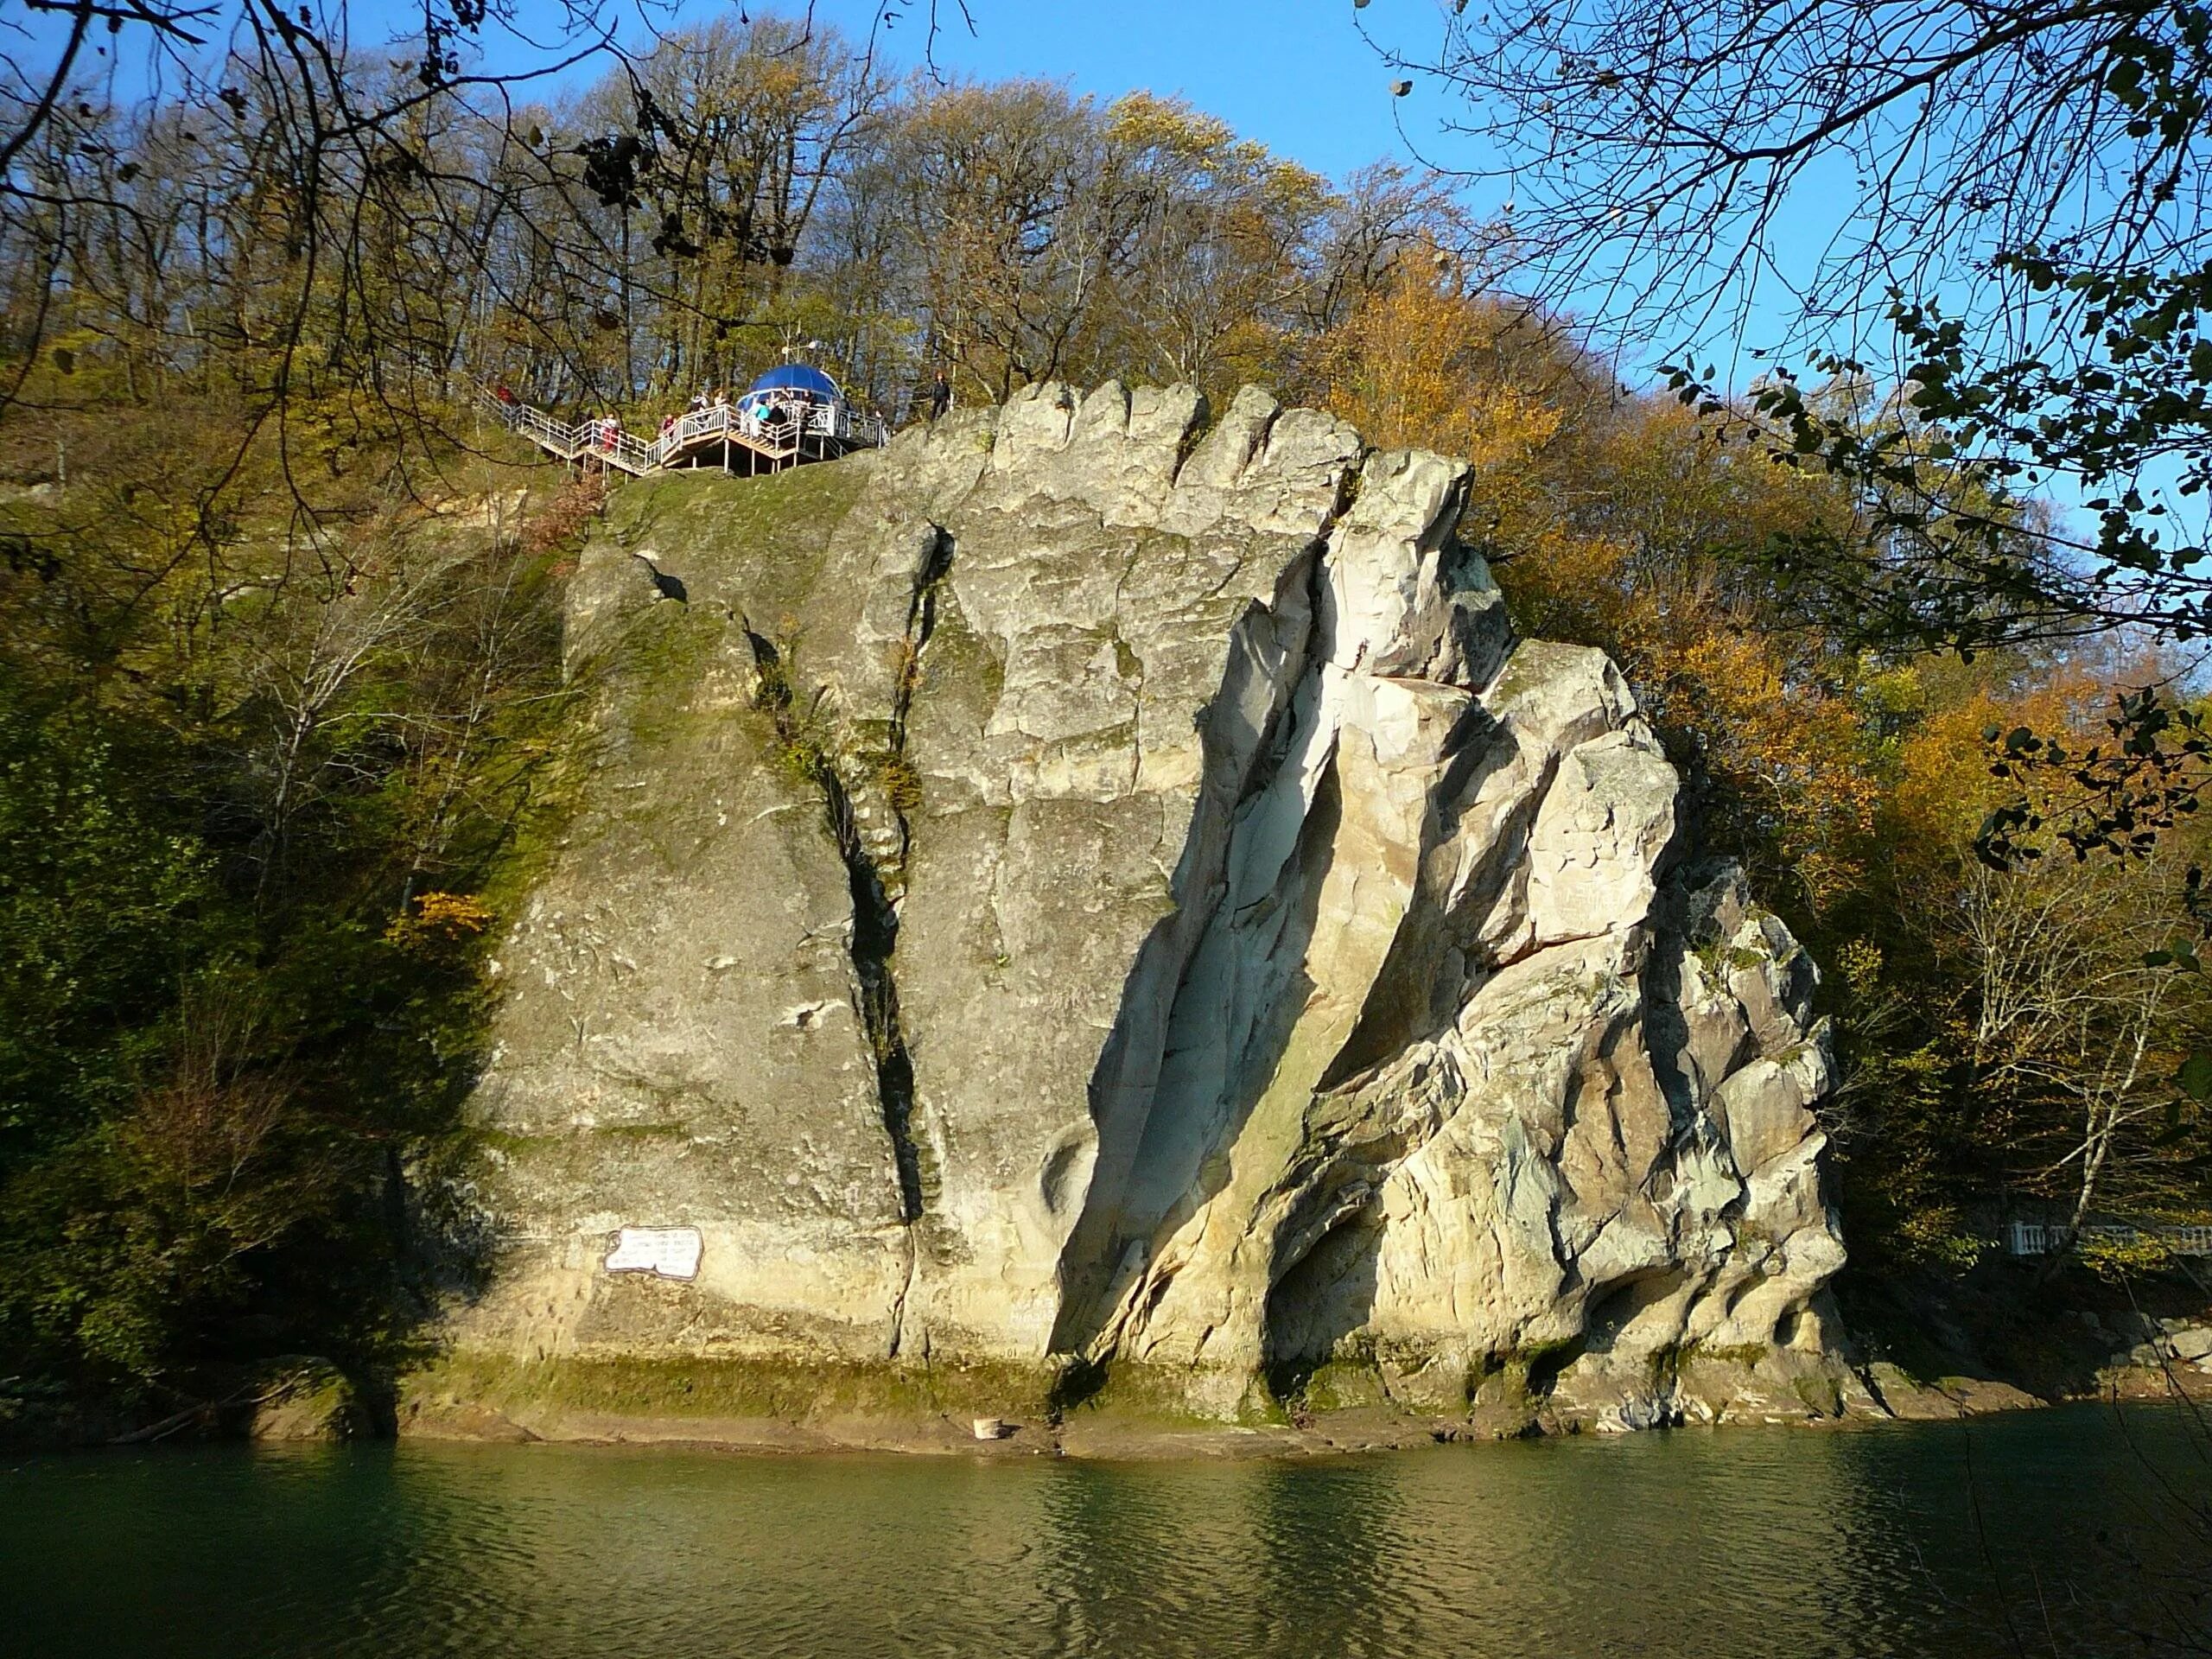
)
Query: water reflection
[{"x": 1780, "y": 1544}]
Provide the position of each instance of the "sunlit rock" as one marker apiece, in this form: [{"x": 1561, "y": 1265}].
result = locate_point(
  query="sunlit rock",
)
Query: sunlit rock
[{"x": 1085, "y": 888}]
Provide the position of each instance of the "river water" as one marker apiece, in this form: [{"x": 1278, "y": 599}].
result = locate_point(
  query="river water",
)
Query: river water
[{"x": 2046, "y": 1532}]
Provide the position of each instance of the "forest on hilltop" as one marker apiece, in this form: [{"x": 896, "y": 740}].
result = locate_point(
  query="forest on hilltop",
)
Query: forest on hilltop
[{"x": 280, "y": 698}]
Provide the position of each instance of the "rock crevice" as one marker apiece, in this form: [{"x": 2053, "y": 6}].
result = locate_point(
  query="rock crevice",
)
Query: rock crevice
[{"x": 874, "y": 935}]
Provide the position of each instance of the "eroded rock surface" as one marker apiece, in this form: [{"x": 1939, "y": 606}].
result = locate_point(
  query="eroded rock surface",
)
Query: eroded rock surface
[{"x": 1087, "y": 887}]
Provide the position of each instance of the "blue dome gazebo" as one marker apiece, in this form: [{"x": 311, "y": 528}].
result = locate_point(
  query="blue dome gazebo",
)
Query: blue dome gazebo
[
  {"x": 790, "y": 383},
  {"x": 797, "y": 412}
]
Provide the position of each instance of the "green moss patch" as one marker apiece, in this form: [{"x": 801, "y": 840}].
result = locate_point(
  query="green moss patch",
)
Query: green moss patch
[
  {"x": 1175, "y": 1397},
  {"x": 705, "y": 1386},
  {"x": 1344, "y": 1385}
]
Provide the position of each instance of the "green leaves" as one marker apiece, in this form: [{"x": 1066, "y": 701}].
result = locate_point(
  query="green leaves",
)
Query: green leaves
[
  {"x": 214, "y": 1048},
  {"x": 2195, "y": 1078},
  {"x": 101, "y": 903}
]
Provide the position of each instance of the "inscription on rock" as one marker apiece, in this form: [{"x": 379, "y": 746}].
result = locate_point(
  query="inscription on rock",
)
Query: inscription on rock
[{"x": 664, "y": 1252}]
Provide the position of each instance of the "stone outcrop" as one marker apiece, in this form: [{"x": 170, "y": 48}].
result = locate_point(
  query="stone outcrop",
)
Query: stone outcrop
[{"x": 1092, "y": 891}]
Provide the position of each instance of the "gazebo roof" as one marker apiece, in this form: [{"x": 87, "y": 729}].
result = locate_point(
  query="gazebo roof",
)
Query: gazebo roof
[{"x": 796, "y": 376}]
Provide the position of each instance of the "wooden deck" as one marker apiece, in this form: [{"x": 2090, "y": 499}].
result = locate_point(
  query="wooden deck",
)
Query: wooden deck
[{"x": 722, "y": 437}]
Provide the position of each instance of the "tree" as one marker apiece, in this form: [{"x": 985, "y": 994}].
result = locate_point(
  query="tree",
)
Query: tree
[
  {"x": 1662, "y": 152},
  {"x": 725, "y": 139},
  {"x": 2011, "y": 1032},
  {"x": 2076, "y": 1024},
  {"x": 2019, "y": 201}
]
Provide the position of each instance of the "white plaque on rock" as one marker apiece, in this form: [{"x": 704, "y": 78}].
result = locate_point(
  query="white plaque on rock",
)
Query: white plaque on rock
[{"x": 669, "y": 1252}]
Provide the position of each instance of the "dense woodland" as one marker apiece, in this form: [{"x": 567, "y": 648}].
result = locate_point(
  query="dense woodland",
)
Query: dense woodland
[{"x": 281, "y": 707}]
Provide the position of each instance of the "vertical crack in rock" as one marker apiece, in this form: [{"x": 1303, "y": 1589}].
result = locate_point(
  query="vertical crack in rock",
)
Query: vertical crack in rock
[
  {"x": 921, "y": 622},
  {"x": 801, "y": 737}
]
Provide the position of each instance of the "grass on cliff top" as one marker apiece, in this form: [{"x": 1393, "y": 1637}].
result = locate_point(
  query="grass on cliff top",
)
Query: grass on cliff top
[
  {"x": 756, "y": 543},
  {"x": 749, "y": 547},
  {"x": 753, "y": 543}
]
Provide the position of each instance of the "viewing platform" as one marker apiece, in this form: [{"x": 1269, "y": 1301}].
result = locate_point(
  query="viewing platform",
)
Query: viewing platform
[{"x": 790, "y": 416}]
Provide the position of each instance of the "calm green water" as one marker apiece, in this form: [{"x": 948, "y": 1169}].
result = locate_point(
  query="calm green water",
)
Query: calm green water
[{"x": 1765, "y": 1543}]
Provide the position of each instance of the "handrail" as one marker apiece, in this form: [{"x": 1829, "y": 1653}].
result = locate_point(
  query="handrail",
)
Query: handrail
[
  {"x": 2038, "y": 1238},
  {"x": 778, "y": 441}
]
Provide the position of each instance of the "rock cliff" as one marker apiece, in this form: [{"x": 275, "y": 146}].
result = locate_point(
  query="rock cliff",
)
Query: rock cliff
[{"x": 1102, "y": 894}]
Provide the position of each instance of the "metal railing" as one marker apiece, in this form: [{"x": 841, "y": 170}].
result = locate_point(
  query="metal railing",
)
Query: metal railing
[
  {"x": 780, "y": 441},
  {"x": 2039, "y": 1238}
]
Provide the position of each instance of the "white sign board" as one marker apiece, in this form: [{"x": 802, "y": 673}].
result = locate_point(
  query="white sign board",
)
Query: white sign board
[{"x": 670, "y": 1252}]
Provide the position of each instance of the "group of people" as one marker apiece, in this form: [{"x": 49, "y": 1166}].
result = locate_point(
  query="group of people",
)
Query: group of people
[
  {"x": 770, "y": 414},
  {"x": 606, "y": 429}
]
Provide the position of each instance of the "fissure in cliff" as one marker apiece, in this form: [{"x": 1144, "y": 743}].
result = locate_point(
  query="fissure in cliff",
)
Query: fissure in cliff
[{"x": 875, "y": 918}]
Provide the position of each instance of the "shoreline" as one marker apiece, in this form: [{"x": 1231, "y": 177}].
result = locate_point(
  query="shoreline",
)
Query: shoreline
[
  {"x": 313, "y": 1405},
  {"x": 1088, "y": 1434}
]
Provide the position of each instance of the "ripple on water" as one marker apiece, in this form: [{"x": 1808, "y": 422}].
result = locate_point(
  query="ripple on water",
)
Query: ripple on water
[{"x": 1780, "y": 1545}]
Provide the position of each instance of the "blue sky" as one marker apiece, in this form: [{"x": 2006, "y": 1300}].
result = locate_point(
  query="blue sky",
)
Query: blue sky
[
  {"x": 1292, "y": 73},
  {"x": 1297, "y": 75}
]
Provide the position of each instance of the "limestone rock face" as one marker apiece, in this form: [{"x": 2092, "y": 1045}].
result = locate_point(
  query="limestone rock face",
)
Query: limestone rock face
[{"x": 1086, "y": 884}]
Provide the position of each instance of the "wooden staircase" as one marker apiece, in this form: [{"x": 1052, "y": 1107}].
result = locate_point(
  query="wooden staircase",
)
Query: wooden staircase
[{"x": 726, "y": 437}]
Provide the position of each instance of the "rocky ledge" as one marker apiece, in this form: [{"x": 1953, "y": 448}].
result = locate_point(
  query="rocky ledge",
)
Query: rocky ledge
[{"x": 1091, "y": 904}]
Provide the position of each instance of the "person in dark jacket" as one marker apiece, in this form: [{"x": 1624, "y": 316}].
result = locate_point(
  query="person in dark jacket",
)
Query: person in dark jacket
[{"x": 940, "y": 396}]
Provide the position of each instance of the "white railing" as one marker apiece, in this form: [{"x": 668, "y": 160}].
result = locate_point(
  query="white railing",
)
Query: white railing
[
  {"x": 2038, "y": 1238},
  {"x": 780, "y": 440},
  {"x": 579, "y": 442},
  {"x": 835, "y": 422}
]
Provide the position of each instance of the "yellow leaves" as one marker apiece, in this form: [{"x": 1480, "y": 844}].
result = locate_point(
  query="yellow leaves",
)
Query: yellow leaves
[
  {"x": 1689, "y": 490},
  {"x": 1506, "y": 427},
  {"x": 1937, "y": 1234},
  {"x": 1428, "y": 362},
  {"x": 439, "y": 920},
  {"x": 1894, "y": 696},
  {"x": 1142, "y": 129},
  {"x": 1568, "y": 586},
  {"x": 2121, "y": 1257},
  {"x": 1141, "y": 121},
  {"x": 1858, "y": 964},
  {"x": 1944, "y": 786},
  {"x": 1289, "y": 189},
  {"x": 1787, "y": 750},
  {"x": 1409, "y": 371}
]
